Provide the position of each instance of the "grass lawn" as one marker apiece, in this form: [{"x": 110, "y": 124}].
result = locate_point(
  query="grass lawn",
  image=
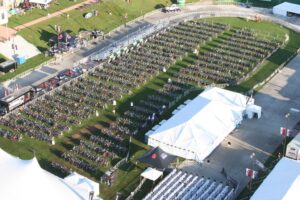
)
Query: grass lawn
[
  {"x": 39, "y": 34},
  {"x": 36, "y": 13},
  {"x": 129, "y": 174}
]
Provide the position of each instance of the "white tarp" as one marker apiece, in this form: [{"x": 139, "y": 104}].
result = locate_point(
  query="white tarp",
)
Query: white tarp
[
  {"x": 82, "y": 185},
  {"x": 282, "y": 183},
  {"x": 284, "y": 8},
  {"x": 151, "y": 174},
  {"x": 25, "y": 179},
  {"x": 42, "y": 2},
  {"x": 199, "y": 127}
]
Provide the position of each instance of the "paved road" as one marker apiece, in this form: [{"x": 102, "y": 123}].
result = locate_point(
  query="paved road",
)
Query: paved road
[{"x": 259, "y": 136}]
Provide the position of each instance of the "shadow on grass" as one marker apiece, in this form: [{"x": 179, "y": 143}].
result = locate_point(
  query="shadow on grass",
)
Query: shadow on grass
[
  {"x": 159, "y": 6},
  {"x": 46, "y": 164}
]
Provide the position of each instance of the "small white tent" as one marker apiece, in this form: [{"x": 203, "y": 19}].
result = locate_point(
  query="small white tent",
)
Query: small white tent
[
  {"x": 200, "y": 126},
  {"x": 25, "y": 179},
  {"x": 151, "y": 174},
  {"x": 285, "y": 8},
  {"x": 282, "y": 183}
]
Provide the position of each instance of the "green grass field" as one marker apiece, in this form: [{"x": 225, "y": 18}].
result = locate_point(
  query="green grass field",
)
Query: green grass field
[
  {"x": 36, "y": 13},
  {"x": 39, "y": 34}
]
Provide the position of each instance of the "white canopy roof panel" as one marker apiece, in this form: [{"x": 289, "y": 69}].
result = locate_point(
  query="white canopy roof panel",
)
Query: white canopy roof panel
[
  {"x": 43, "y": 2},
  {"x": 83, "y": 185},
  {"x": 25, "y": 179},
  {"x": 282, "y": 183},
  {"x": 285, "y": 7},
  {"x": 199, "y": 127},
  {"x": 151, "y": 174}
]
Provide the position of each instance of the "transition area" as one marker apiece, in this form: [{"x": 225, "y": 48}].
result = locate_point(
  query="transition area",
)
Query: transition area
[{"x": 92, "y": 119}]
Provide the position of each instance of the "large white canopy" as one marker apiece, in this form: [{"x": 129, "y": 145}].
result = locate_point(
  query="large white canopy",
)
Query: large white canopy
[
  {"x": 25, "y": 179},
  {"x": 151, "y": 174},
  {"x": 284, "y": 8},
  {"x": 200, "y": 126},
  {"x": 282, "y": 183}
]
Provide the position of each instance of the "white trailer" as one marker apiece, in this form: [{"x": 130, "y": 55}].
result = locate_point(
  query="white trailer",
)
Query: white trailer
[{"x": 293, "y": 148}]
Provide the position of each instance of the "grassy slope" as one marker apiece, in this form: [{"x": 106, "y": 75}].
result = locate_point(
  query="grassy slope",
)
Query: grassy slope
[
  {"x": 39, "y": 34},
  {"x": 36, "y": 13},
  {"x": 45, "y": 152}
]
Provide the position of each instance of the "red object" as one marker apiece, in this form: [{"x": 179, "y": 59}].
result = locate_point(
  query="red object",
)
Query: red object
[
  {"x": 251, "y": 173},
  {"x": 283, "y": 131},
  {"x": 153, "y": 156}
]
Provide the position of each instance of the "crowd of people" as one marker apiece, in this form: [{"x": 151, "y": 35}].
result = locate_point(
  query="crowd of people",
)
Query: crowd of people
[{"x": 227, "y": 61}]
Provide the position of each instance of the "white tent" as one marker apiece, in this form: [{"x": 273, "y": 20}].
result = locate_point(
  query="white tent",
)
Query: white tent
[
  {"x": 25, "y": 179},
  {"x": 199, "y": 127},
  {"x": 82, "y": 185},
  {"x": 282, "y": 183},
  {"x": 151, "y": 174},
  {"x": 42, "y": 2},
  {"x": 285, "y": 8}
]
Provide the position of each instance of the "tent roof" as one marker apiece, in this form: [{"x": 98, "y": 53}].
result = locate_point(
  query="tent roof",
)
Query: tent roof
[
  {"x": 282, "y": 183},
  {"x": 225, "y": 96},
  {"x": 25, "y": 179},
  {"x": 82, "y": 185},
  {"x": 151, "y": 174},
  {"x": 199, "y": 127},
  {"x": 157, "y": 158},
  {"x": 289, "y": 7},
  {"x": 44, "y": 2}
]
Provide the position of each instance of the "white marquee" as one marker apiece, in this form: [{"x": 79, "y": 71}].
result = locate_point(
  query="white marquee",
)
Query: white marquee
[
  {"x": 25, "y": 179},
  {"x": 282, "y": 183},
  {"x": 199, "y": 127}
]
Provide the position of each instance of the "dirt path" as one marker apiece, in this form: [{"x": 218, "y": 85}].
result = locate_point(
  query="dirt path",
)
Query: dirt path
[{"x": 55, "y": 14}]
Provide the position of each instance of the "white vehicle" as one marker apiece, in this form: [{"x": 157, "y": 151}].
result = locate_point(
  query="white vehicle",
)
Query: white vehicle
[{"x": 172, "y": 8}]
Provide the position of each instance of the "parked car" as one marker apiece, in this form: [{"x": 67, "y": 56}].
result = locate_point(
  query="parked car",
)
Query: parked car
[{"x": 172, "y": 8}]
